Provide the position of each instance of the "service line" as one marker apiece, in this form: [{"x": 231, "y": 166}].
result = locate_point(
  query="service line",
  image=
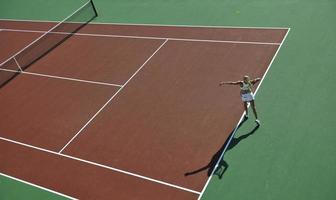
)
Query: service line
[
  {"x": 61, "y": 77},
  {"x": 113, "y": 96}
]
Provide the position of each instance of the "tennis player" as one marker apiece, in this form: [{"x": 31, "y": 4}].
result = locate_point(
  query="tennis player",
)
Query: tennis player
[{"x": 246, "y": 93}]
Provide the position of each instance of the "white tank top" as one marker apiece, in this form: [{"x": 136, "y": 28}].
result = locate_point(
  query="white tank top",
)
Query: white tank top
[{"x": 246, "y": 87}]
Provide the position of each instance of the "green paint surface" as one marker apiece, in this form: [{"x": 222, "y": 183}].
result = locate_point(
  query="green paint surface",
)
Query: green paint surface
[
  {"x": 11, "y": 189},
  {"x": 293, "y": 154}
]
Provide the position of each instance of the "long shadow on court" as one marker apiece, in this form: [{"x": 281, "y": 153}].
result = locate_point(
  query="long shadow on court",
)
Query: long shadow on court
[{"x": 223, "y": 165}]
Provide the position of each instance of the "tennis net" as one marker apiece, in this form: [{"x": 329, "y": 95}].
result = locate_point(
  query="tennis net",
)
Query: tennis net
[{"x": 46, "y": 42}]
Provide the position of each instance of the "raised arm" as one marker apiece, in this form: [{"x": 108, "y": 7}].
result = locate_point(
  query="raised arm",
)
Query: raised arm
[
  {"x": 254, "y": 81},
  {"x": 230, "y": 83}
]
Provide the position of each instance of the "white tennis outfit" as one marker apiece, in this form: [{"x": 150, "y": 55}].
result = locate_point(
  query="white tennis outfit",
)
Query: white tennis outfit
[{"x": 247, "y": 97}]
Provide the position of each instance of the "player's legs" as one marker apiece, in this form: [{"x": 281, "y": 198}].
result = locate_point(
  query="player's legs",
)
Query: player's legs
[
  {"x": 254, "y": 109},
  {"x": 255, "y": 112},
  {"x": 246, "y": 110}
]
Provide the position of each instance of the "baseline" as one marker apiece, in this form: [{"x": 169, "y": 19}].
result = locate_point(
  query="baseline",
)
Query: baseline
[
  {"x": 143, "y": 24},
  {"x": 101, "y": 165},
  {"x": 146, "y": 37},
  {"x": 37, "y": 186}
]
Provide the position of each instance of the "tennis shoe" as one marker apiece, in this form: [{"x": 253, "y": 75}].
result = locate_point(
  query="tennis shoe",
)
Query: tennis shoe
[{"x": 258, "y": 122}]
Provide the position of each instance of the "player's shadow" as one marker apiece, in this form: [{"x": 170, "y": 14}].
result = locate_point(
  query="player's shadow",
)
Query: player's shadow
[{"x": 223, "y": 165}]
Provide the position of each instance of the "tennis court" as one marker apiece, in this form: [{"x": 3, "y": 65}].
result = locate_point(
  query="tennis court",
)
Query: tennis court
[
  {"x": 121, "y": 100},
  {"x": 123, "y": 111}
]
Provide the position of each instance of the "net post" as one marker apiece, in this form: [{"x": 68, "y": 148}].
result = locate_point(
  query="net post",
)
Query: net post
[
  {"x": 94, "y": 8},
  {"x": 45, "y": 43},
  {"x": 18, "y": 65}
]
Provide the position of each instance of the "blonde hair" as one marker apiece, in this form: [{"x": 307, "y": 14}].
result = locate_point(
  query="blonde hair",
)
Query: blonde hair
[{"x": 247, "y": 78}]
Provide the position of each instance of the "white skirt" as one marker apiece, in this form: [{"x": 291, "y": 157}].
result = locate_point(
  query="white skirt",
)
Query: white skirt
[{"x": 247, "y": 97}]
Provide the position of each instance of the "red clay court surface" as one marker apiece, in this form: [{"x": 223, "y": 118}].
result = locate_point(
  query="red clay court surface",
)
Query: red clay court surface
[{"x": 124, "y": 111}]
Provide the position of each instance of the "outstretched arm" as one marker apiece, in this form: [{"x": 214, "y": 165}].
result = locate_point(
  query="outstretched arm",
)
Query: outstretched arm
[
  {"x": 230, "y": 83},
  {"x": 254, "y": 81}
]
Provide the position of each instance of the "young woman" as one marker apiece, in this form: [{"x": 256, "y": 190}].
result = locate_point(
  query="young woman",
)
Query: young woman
[{"x": 246, "y": 93}]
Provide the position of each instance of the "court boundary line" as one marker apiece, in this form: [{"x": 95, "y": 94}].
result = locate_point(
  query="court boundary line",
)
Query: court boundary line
[
  {"x": 242, "y": 116},
  {"x": 100, "y": 165},
  {"x": 37, "y": 39},
  {"x": 164, "y": 183},
  {"x": 147, "y": 37},
  {"x": 113, "y": 96},
  {"x": 62, "y": 78},
  {"x": 37, "y": 186},
  {"x": 152, "y": 24}
]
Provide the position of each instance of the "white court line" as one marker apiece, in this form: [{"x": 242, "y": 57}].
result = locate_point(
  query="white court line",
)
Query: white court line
[
  {"x": 147, "y": 37},
  {"x": 37, "y": 186},
  {"x": 182, "y": 39},
  {"x": 33, "y": 42},
  {"x": 164, "y": 25},
  {"x": 94, "y": 116},
  {"x": 63, "y": 78},
  {"x": 18, "y": 64},
  {"x": 235, "y": 129},
  {"x": 102, "y": 166}
]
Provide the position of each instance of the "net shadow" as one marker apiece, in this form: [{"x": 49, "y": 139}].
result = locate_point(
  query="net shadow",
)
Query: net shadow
[{"x": 47, "y": 42}]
